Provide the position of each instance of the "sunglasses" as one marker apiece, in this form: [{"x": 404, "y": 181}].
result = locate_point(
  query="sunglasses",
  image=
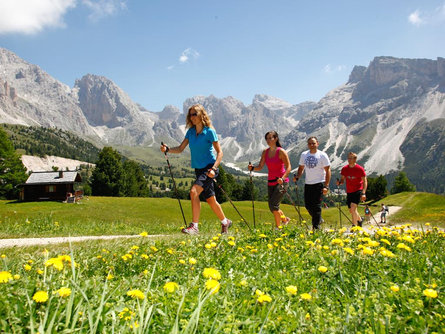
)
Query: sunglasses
[{"x": 194, "y": 114}]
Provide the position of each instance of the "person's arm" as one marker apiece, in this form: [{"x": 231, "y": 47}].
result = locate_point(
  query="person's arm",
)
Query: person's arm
[
  {"x": 285, "y": 158},
  {"x": 299, "y": 173},
  {"x": 365, "y": 186},
  {"x": 341, "y": 181},
  {"x": 219, "y": 154},
  {"x": 261, "y": 163},
  {"x": 177, "y": 149},
  {"x": 327, "y": 179}
]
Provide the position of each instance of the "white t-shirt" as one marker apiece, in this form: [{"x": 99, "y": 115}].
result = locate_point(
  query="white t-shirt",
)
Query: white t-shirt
[{"x": 314, "y": 165}]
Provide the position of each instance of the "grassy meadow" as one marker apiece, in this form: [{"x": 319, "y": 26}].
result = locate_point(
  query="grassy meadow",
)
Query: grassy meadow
[{"x": 287, "y": 281}]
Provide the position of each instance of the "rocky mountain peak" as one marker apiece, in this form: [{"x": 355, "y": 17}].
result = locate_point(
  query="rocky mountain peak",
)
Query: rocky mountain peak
[{"x": 104, "y": 103}]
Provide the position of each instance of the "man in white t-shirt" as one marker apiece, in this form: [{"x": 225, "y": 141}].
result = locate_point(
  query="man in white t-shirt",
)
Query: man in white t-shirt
[{"x": 318, "y": 174}]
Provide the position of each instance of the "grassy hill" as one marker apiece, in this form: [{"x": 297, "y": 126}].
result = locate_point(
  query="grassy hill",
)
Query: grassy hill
[
  {"x": 40, "y": 141},
  {"x": 112, "y": 215}
]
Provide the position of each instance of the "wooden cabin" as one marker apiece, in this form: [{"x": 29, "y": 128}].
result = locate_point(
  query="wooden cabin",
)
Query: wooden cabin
[{"x": 49, "y": 186}]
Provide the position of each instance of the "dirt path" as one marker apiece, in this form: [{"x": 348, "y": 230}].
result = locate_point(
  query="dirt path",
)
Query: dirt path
[{"x": 6, "y": 243}]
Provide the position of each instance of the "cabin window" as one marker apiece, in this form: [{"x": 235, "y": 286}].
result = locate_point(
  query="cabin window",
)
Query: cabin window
[{"x": 50, "y": 189}]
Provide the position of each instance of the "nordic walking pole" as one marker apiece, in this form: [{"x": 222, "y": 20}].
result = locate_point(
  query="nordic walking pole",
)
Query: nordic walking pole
[
  {"x": 298, "y": 211},
  {"x": 253, "y": 197},
  {"x": 339, "y": 206},
  {"x": 174, "y": 183},
  {"x": 242, "y": 218},
  {"x": 298, "y": 199}
]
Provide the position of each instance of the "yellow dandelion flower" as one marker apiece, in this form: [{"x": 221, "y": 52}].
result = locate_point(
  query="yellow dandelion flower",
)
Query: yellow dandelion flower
[
  {"x": 3, "y": 256},
  {"x": 231, "y": 243},
  {"x": 264, "y": 299},
  {"x": 182, "y": 261},
  {"x": 213, "y": 286},
  {"x": 192, "y": 260},
  {"x": 307, "y": 316},
  {"x": 213, "y": 244},
  {"x": 64, "y": 292},
  {"x": 306, "y": 296},
  {"x": 430, "y": 293},
  {"x": 338, "y": 242},
  {"x": 243, "y": 283},
  {"x": 16, "y": 276},
  {"x": 154, "y": 249},
  {"x": 349, "y": 250},
  {"x": 27, "y": 267},
  {"x": 322, "y": 269},
  {"x": 40, "y": 271},
  {"x": 403, "y": 246},
  {"x": 291, "y": 289},
  {"x": 270, "y": 246},
  {"x": 334, "y": 252},
  {"x": 211, "y": 273},
  {"x": 395, "y": 288},
  {"x": 170, "y": 287},
  {"x": 5, "y": 276},
  {"x": 110, "y": 277},
  {"x": 367, "y": 251},
  {"x": 208, "y": 246},
  {"x": 259, "y": 292},
  {"x": 386, "y": 253},
  {"x": 40, "y": 297},
  {"x": 373, "y": 243},
  {"x": 136, "y": 294},
  {"x": 143, "y": 234}
]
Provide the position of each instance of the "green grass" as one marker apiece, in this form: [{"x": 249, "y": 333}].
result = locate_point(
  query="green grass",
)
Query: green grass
[
  {"x": 112, "y": 215},
  {"x": 353, "y": 295},
  {"x": 357, "y": 293}
]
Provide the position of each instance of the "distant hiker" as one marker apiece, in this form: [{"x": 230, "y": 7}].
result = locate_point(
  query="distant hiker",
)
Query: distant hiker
[
  {"x": 383, "y": 211},
  {"x": 278, "y": 165},
  {"x": 367, "y": 214},
  {"x": 356, "y": 185},
  {"x": 318, "y": 175},
  {"x": 203, "y": 144}
]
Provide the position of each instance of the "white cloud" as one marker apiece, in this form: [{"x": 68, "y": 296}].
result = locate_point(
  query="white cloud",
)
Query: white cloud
[
  {"x": 187, "y": 54},
  {"x": 170, "y": 67},
  {"x": 434, "y": 17},
  {"x": 31, "y": 16},
  {"x": 330, "y": 70},
  {"x": 103, "y": 8},
  {"x": 414, "y": 18}
]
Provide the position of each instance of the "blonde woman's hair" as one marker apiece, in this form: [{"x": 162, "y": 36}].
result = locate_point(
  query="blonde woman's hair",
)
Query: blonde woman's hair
[{"x": 202, "y": 113}]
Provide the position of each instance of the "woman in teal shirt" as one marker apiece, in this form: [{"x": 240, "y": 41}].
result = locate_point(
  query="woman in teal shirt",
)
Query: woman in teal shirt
[{"x": 206, "y": 155}]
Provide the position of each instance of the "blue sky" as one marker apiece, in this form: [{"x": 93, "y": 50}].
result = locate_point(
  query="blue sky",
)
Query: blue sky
[{"x": 163, "y": 51}]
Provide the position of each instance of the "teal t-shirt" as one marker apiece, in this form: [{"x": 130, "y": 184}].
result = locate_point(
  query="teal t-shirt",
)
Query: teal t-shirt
[{"x": 201, "y": 146}]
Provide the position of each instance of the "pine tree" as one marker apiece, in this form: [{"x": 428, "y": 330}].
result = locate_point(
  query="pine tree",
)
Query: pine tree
[
  {"x": 134, "y": 183},
  {"x": 376, "y": 188},
  {"x": 12, "y": 171},
  {"x": 106, "y": 179},
  {"x": 402, "y": 183}
]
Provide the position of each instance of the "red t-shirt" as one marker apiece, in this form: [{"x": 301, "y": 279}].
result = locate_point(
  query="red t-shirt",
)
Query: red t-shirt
[{"x": 353, "y": 177}]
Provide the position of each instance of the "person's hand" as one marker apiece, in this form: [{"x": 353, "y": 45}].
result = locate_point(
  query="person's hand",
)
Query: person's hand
[
  {"x": 250, "y": 167},
  {"x": 164, "y": 148},
  {"x": 211, "y": 173},
  {"x": 338, "y": 182},
  {"x": 280, "y": 180},
  {"x": 363, "y": 197},
  {"x": 325, "y": 190},
  {"x": 295, "y": 178}
]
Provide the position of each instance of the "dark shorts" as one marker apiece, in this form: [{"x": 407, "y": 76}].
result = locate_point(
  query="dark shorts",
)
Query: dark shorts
[
  {"x": 353, "y": 198},
  {"x": 276, "y": 194},
  {"x": 206, "y": 182}
]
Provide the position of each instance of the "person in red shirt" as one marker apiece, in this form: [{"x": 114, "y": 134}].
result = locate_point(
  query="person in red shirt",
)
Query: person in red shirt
[{"x": 356, "y": 185}]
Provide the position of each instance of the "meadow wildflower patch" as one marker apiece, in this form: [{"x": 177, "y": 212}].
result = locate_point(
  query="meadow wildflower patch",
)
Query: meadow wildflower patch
[{"x": 285, "y": 281}]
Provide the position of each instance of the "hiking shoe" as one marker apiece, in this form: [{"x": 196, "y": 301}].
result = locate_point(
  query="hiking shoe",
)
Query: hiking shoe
[
  {"x": 190, "y": 230},
  {"x": 285, "y": 222},
  {"x": 225, "y": 227},
  {"x": 360, "y": 223}
]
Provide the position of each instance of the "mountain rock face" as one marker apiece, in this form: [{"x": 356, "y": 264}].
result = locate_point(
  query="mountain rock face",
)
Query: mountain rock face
[
  {"x": 375, "y": 112},
  {"x": 29, "y": 96},
  {"x": 386, "y": 112},
  {"x": 242, "y": 128}
]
